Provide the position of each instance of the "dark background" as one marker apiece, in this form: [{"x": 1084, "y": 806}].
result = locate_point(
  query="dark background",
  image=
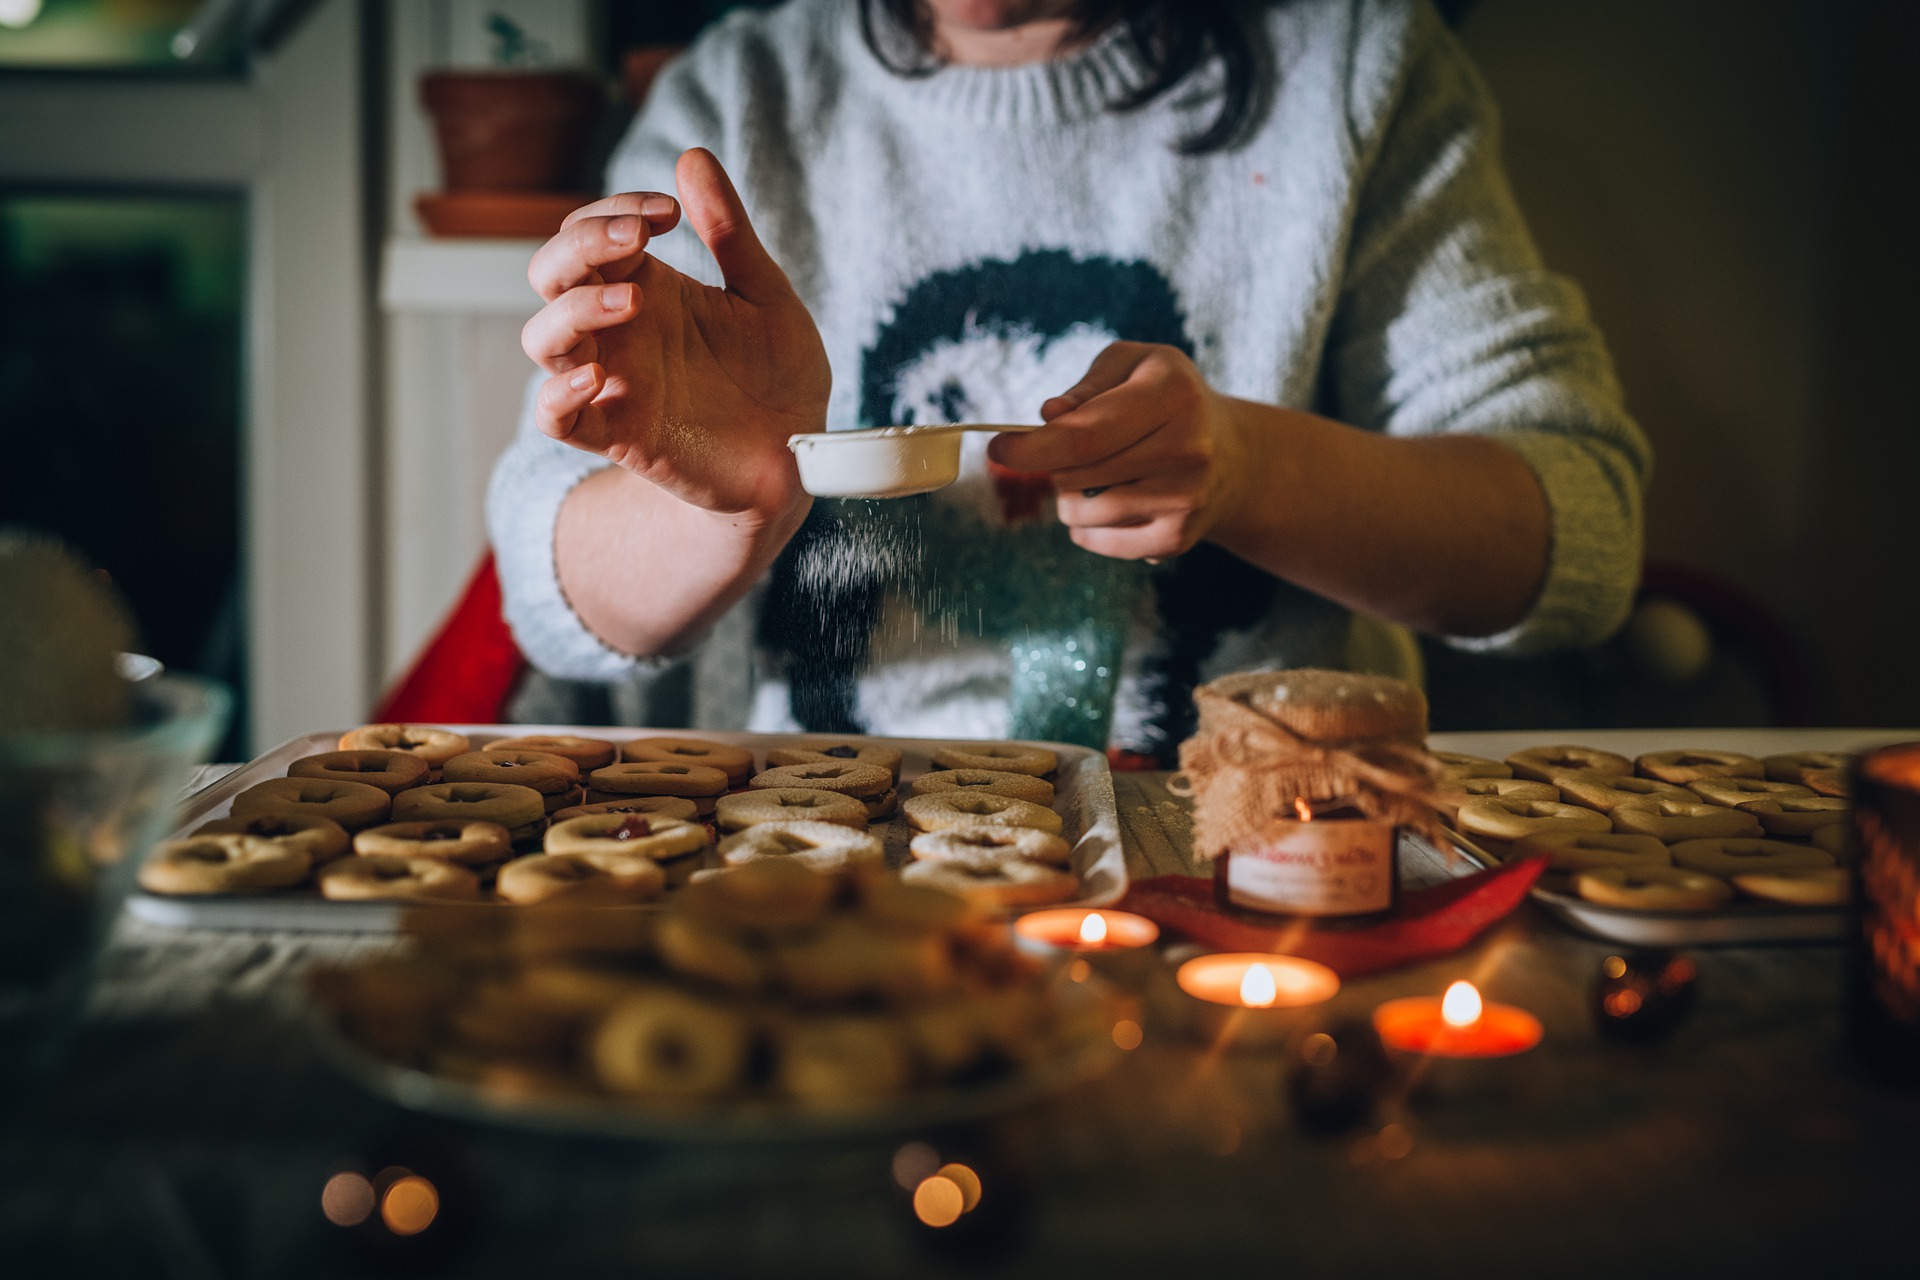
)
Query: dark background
[
  {"x": 1732, "y": 183},
  {"x": 1729, "y": 180}
]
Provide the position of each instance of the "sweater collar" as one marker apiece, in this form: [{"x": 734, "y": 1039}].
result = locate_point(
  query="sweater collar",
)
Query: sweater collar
[{"x": 1075, "y": 86}]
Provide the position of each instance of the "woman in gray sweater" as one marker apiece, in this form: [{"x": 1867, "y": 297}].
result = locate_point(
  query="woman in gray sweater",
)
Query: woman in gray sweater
[{"x": 1257, "y": 270}]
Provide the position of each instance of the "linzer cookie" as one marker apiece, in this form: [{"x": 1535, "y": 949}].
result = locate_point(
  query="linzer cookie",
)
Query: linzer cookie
[
  {"x": 701, "y": 784},
  {"x": 587, "y": 753},
  {"x": 1456, "y": 791},
  {"x": 860, "y": 752},
  {"x": 868, "y": 783},
  {"x": 735, "y": 762}
]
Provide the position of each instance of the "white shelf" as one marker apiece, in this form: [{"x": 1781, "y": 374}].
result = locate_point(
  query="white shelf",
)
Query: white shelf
[{"x": 469, "y": 276}]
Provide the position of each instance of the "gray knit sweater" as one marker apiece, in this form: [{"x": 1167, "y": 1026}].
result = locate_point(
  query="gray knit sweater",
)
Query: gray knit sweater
[{"x": 968, "y": 241}]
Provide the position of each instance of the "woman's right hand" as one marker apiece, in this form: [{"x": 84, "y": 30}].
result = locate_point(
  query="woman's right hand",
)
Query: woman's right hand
[{"x": 688, "y": 386}]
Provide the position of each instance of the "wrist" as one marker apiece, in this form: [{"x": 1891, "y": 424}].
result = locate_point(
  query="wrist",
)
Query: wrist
[
  {"x": 1236, "y": 483},
  {"x": 763, "y": 528},
  {"x": 648, "y": 573},
  {"x": 1273, "y": 480}
]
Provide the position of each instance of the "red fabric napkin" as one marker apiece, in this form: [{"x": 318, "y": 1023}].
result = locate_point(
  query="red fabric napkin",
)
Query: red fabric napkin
[
  {"x": 468, "y": 669},
  {"x": 1021, "y": 493},
  {"x": 1428, "y": 922}
]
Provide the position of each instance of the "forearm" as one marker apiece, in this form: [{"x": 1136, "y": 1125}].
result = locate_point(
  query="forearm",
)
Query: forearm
[
  {"x": 1446, "y": 533},
  {"x": 649, "y": 574}
]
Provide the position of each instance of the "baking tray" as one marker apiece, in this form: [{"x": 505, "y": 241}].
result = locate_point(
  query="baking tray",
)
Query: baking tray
[
  {"x": 1083, "y": 796},
  {"x": 1747, "y": 924}
]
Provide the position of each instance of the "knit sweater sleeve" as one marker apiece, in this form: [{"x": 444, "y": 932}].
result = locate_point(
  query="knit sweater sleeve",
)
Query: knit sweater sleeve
[
  {"x": 1447, "y": 322},
  {"x": 536, "y": 473}
]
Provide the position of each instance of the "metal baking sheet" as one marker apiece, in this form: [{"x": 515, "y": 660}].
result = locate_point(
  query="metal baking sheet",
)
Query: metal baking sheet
[{"x": 1083, "y": 796}]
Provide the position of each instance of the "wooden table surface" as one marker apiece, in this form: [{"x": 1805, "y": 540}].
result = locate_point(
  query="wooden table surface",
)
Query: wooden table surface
[{"x": 195, "y": 1126}]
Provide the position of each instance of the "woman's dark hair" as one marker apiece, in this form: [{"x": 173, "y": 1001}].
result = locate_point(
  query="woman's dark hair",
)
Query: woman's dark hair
[{"x": 1173, "y": 37}]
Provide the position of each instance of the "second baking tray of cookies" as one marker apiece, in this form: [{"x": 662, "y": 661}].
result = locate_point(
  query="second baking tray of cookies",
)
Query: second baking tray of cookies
[
  {"x": 343, "y": 831},
  {"x": 1682, "y": 846}
]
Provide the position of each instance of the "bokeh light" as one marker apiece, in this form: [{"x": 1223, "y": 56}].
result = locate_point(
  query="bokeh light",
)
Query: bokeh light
[
  {"x": 1678, "y": 973},
  {"x": 347, "y": 1199},
  {"x": 967, "y": 1180},
  {"x": 939, "y": 1201},
  {"x": 1319, "y": 1049},
  {"x": 913, "y": 1164},
  {"x": 1127, "y": 1034},
  {"x": 19, "y": 13},
  {"x": 410, "y": 1205}
]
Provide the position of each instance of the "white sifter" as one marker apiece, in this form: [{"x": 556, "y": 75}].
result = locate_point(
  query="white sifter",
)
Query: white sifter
[{"x": 885, "y": 462}]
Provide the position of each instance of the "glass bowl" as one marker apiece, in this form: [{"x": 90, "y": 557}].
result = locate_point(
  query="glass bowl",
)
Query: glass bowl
[{"x": 78, "y": 811}]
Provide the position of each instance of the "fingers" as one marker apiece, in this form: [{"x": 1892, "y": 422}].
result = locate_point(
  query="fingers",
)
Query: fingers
[
  {"x": 720, "y": 220},
  {"x": 1080, "y": 438},
  {"x": 562, "y": 402},
  {"x": 1115, "y": 363},
  {"x": 560, "y": 335},
  {"x": 604, "y": 240},
  {"x": 1150, "y": 519},
  {"x": 1152, "y": 542},
  {"x": 1143, "y": 461},
  {"x": 1130, "y": 390},
  {"x": 662, "y": 212},
  {"x": 1129, "y": 451},
  {"x": 1134, "y": 503}
]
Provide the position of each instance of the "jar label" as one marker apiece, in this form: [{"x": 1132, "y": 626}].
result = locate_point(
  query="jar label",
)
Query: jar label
[{"x": 1339, "y": 868}]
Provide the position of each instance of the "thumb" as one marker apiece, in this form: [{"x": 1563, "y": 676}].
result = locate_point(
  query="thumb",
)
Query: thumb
[
  {"x": 720, "y": 220},
  {"x": 1113, "y": 366}
]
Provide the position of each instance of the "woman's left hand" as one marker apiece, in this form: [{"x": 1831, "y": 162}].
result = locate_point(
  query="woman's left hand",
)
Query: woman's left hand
[{"x": 1145, "y": 457}]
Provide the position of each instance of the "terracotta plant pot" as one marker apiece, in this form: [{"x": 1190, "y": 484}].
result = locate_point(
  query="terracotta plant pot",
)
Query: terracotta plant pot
[
  {"x": 639, "y": 67},
  {"x": 511, "y": 130},
  {"x": 511, "y": 215}
]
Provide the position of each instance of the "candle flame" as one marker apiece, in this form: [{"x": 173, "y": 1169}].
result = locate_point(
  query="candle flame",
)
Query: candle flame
[
  {"x": 1301, "y": 807},
  {"x": 1257, "y": 987},
  {"x": 1460, "y": 1007},
  {"x": 1093, "y": 928}
]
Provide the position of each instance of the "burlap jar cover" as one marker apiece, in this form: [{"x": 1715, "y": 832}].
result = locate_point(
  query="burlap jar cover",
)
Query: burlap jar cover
[{"x": 1267, "y": 739}]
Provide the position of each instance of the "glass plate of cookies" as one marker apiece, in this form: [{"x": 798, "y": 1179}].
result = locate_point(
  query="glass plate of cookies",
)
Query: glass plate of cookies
[
  {"x": 767, "y": 1002},
  {"x": 342, "y": 831},
  {"x": 1655, "y": 839}
]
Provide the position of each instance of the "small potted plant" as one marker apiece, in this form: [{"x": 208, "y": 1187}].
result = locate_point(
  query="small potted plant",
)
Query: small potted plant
[{"x": 513, "y": 139}]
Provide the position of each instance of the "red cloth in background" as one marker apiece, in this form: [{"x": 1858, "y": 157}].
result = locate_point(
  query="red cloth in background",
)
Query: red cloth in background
[
  {"x": 1427, "y": 923},
  {"x": 1022, "y": 494},
  {"x": 470, "y": 667}
]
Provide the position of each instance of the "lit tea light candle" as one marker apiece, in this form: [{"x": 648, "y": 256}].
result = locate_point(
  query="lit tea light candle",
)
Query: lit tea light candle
[
  {"x": 1457, "y": 1025},
  {"x": 1252, "y": 980},
  {"x": 1083, "y": 930},
  {"x": 1118, "y": 944}
]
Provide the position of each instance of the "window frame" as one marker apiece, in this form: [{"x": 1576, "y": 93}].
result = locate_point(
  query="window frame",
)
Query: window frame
[{"x": 290, "y": 137}]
